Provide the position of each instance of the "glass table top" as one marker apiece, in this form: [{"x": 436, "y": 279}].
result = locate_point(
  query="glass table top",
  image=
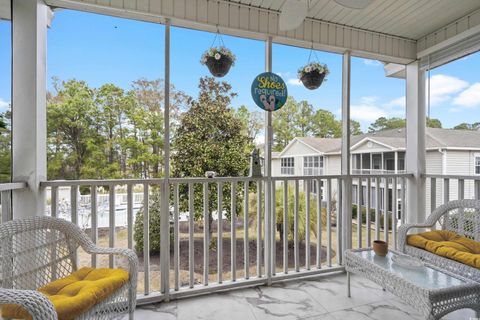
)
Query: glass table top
[{"x": 424, "y": 276}]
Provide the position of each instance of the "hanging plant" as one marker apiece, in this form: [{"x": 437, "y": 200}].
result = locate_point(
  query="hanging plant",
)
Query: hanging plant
[
  {"x": 218, "y": 60},
  {"x": 313, "y": 74}
]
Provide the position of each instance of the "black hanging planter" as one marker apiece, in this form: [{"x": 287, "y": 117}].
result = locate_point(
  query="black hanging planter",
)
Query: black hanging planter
[
  {"x": 313, "y": 80},
  {"x": 219, "y": 67}
]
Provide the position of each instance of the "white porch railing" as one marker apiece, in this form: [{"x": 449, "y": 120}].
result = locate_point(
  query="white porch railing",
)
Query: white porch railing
[
  {"x": 6, "y": 198},
  {"x": 236, "y": 248},
  {"x": 443, "y": 188}
]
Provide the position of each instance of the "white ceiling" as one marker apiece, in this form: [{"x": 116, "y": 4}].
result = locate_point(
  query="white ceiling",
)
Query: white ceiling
[{"x": 410, "y": 19}]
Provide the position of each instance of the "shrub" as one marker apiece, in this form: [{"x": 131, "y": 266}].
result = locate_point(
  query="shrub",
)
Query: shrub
[
  {"x": 372, "y": 216},
  {"x": 154, "y": 217}
]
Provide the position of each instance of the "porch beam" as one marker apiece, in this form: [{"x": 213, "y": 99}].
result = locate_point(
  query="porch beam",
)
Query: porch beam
[
  {"x": 250, "y": 21},
  {"x": 29, "y": 125},
  {"x": 415, "y": 154},
  {"x": 345, "y": 161}
]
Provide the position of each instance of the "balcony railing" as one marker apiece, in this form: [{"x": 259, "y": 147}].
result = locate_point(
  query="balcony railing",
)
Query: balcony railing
[
  {"x": 6, "y": 198},
  {"x": 242, "y": 245}
]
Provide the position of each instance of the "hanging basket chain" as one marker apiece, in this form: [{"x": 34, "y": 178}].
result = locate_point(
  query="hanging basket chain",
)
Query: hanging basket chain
[
  {"x": 219, "y": 37},
  {"x": 310, "y": 55}
]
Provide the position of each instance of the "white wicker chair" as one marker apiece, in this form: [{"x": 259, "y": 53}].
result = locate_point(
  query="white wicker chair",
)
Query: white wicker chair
[
  {"x": 459, "y": 216},
  {"x": 37, "y": 250}
]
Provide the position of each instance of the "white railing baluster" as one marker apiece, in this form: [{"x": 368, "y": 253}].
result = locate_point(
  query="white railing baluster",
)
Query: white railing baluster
[
  {"x": 367, "y": 210},
  {"x": 274, "y": 228},
  {"x": 233, "y": 229},
  {"x": 285, "y": 226},
  {"x": 94, "y": 223},
  {"x": 54, "y": 202},
  {"x": 477, "y": 189},
  {"x": 307, "y": 224},
  {"x": 220, "y": 232},
  {"x": 378, "y": 201},
  {"x": 295, "y": 228},
  {"x": 394, "y": 212},
  {"x": 176, "y": 232},
  {"x": 433, "y": 194},
  {"x": 259, "y": 229},
  {"x": 130, "y": 215},
  {"x": 7, "y": 205},
  {"x": 246, "y": 241},
  {"x": 404, "y": 194},
  {"x": 385, "y": 210},
  {"x": 111, "y": 223},
  {"x": 359, "y": 213},
  {"x": 74, "y": 213},
  {"x": 206, "y": 234},
  {"x": 146, "y": 239},
  {"x": 319, "y": 223},
  {"x": 191, "y": 243},
  {"x": 461, "y": 189},
  {"x": 446, "y": 190},
  {"x": 339, "y": 220},
  {"x": 329, "y": 222}
]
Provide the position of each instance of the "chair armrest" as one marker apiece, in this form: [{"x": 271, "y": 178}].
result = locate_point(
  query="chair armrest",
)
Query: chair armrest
[
  {"x": 403, "y": 232},
  {"x": 37, "y": 305},
  {"x": 132, "y": 266}
]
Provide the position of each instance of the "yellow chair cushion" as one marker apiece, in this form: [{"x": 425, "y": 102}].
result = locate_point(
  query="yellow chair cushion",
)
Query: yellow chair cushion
[
  {"x": 73, "y": 295},
  {"x": 448, "y": 244}
]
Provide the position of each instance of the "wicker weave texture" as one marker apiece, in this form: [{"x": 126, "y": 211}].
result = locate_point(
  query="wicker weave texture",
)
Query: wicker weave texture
[
  {"x": 38, "y": 250},
  {"x": 459, "y": 216}
]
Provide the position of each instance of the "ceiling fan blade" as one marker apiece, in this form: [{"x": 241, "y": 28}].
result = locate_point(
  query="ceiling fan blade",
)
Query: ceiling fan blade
[
  {"x": 292, "y": 15},
  {"x": 354, "y": 4}
]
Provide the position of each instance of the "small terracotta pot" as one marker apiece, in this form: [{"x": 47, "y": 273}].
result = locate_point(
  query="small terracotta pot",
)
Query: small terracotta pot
[{"x": 380, "y": 248}]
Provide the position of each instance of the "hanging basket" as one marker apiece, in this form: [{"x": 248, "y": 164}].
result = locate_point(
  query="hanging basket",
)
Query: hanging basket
[
  {"x": 313, "y": 80},
  {"x": 219, "y": 67}
]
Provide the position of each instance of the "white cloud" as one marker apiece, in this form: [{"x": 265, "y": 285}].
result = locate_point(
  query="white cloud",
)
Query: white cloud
[
  {"x": 399, "y": 102},
  {"x": 470, "y": 97},
  {"x": 373, "y": 63},
  {"x": 366, "y": 112},
  {"x": 3, "y": 104},
  {"x": 442, "y": 87},
  {"x": 294, "y": 82}
]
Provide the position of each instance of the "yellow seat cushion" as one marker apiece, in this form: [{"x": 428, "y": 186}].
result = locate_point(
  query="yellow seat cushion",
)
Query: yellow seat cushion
[
  {"x": 448, "y": 244},
  {"x": 76, "y": 293}
]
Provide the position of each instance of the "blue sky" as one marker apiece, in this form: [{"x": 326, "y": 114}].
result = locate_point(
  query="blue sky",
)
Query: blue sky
[{"x": 101, "y": 49}]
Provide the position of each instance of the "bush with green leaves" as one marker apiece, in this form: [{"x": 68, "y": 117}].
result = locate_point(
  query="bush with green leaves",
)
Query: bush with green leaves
[
  {"x": 372, "y": 217},
  {"x": 290, "y": 218},
  {"x": 154, "y": 209}
]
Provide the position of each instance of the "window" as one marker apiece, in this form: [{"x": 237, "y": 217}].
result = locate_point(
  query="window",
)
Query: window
[
  {"x": 477, "y": 164},
  {"x": 312, "y": 165},
  {"x": 288, "y": 166}
]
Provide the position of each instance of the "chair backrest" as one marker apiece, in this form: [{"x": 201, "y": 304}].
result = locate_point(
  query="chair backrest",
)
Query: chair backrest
[
  {"x": 459, "y": 216},
  {"x": 37, "y": 250}
]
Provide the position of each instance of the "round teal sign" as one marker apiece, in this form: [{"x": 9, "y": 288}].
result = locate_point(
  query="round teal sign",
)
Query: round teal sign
[{"x": 269, "y": 91}]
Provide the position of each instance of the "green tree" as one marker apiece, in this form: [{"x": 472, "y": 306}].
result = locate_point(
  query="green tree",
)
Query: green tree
[
  {"x": 383, "y": 123},
  {"x": 210, "y": 138},
  {"x": 252, "y": 122},
  {"x": 325, "y": 125},
  {"x": 468, "y": 126},
  {"x": 5, "y": 146}
]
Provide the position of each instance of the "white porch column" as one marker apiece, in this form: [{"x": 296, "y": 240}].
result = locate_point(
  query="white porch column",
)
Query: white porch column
[
  {"x": 415, "y": 155},
  {"x": 346, "y": 181},
  {"x": 396, "y": 162},
  {"x": 30, "y": 19},
  {"x": 268, "y": 174}
]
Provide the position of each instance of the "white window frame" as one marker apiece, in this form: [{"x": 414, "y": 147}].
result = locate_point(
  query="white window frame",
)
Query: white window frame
[
  {"x": 309, "y": 166},
  {"x": 287, "y": 166},
  {"x": 476, "y": 157}
]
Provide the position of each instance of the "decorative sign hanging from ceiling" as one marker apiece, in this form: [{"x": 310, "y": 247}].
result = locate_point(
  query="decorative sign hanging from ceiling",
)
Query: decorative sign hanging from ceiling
[{"x": 269, "y": 91}]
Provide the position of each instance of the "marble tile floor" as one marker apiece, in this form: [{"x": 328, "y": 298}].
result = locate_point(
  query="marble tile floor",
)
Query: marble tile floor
[{"x": 322, "y": 298}]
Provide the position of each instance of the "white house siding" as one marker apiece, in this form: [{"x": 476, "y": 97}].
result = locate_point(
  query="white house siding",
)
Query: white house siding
[
  {"x": 297, "y": 150},
  {"x": 370, "y": 146},
  {"x": 276, "y": 162},
  {"x": 461, "y": 163},
  {"x": 333, "y": 165}
]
